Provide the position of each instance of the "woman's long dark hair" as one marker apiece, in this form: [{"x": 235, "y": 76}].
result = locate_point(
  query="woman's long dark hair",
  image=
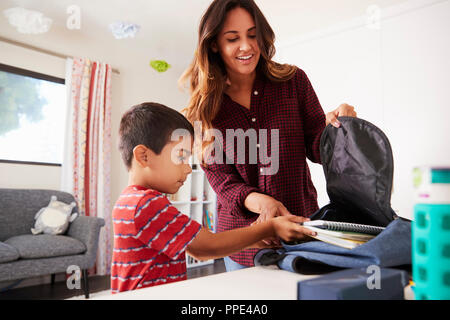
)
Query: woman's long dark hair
[{"x": 207, "y": 74}]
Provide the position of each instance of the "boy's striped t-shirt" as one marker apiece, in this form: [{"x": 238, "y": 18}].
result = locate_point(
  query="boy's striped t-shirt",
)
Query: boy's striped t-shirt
[{"x": 150, "y": 239}]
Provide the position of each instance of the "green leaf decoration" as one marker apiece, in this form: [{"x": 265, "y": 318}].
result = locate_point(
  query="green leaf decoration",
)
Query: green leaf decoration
[{"x": 159, "y": 65}]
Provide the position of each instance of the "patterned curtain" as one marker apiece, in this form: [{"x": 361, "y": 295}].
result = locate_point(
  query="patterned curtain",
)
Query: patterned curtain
[{"x": 87, "y": 163}]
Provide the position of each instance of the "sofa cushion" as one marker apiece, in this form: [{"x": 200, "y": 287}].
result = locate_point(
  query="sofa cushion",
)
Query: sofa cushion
[
  {"x": 45, "y": 246},
  {"x": 7, "y": 253}
]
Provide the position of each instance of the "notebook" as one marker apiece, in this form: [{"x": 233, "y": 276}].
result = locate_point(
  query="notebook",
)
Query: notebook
[
  {"x": 347, "y": 240},
  {"x": 343, "y": 234},
  {"x": 344, "y": 226}
]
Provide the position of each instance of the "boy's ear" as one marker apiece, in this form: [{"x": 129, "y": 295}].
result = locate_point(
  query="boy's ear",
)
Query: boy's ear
[{"x": 142, "y": 155}]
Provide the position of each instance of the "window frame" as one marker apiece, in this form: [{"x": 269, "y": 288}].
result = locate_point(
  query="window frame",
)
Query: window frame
[{"x": 36, "y": 75}]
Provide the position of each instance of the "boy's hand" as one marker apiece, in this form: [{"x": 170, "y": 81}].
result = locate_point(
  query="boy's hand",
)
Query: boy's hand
[
  {"x": 288, "y": 228},
  {"x": 275, "y": 241},
  {"x": 269, "y": 242}
]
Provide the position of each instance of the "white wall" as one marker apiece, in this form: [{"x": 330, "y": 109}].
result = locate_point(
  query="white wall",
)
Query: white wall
[{"x": 397, "y": 77}]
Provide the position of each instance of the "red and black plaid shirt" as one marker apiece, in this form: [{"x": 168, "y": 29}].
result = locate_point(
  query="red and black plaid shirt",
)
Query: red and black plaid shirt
[{"x": 292, "y": 107}]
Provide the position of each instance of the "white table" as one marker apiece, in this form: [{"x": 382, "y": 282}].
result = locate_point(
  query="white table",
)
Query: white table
[{"x": 256, "y": 283}]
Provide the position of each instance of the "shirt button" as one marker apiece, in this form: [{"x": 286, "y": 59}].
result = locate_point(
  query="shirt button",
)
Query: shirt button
[
  {"x": 253, "y": 119},
  {"x": 255, "y": 93},
  {"x": 261, "y": 170},
  {"x": 258, "y": 145}
]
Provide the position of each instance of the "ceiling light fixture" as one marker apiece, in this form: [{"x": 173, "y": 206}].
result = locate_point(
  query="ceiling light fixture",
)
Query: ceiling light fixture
[
  {"x": 28, "y": 21},
  {"x": 121, "y": 30}
]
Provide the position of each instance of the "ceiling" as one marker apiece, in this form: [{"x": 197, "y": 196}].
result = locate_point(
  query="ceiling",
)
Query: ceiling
[{"x": 169, "y": 27}]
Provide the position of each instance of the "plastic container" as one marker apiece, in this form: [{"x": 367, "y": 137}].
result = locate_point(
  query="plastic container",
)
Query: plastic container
[{"x": 431, "y": 234}]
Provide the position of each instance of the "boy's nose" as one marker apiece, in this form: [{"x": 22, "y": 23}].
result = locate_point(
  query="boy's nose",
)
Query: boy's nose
[{"x": 188, "y": 169}]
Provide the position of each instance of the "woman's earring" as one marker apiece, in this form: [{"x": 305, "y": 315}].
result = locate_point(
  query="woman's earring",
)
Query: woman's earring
[{"x": 214, "y": 48}]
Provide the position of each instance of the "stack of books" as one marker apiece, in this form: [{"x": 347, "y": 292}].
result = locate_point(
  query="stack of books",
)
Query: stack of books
[{"x": 342, "y": 234}]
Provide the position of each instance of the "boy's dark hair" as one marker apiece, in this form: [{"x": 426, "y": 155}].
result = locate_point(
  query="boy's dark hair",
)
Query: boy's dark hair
[{"x": 150, "y": 124}]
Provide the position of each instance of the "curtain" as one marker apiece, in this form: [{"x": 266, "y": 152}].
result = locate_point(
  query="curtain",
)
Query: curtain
[{"x": 87, "y": 158}]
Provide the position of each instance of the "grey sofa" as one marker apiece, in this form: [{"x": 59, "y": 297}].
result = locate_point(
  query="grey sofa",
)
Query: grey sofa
[{"x": 24, "y": 255}]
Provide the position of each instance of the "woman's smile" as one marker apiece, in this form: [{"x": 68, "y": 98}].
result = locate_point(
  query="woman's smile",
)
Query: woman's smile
[{"x": 246, "y": 59}]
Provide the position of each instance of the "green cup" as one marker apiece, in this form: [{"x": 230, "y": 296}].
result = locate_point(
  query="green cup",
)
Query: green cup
[{"x": 431, "y": 251}]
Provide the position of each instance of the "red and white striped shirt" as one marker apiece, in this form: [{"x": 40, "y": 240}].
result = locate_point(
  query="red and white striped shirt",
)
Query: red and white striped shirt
[{"x": 150, "y": 239}]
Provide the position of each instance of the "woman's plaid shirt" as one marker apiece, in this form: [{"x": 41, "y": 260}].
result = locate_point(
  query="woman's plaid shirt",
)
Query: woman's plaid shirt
[{"x": 293, "y": 108}]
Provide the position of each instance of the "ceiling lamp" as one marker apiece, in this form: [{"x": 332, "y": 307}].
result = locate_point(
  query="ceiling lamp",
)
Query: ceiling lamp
[
  {"x": 121, "y": 30},
  {"x": 27, "y": 21}
]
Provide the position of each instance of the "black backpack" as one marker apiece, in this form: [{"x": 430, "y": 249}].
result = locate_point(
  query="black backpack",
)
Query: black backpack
[{"x": 358, "y": 165}]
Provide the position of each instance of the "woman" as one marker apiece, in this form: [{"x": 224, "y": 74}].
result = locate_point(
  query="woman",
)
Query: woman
[{"x": 235, "y": 85}]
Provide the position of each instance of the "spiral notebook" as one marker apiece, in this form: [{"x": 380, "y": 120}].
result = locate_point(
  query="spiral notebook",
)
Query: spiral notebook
[
  {"x": 343, "y": 239},
  {"x": 342, "y": 234},
  {"x": 344, "y": 226}
]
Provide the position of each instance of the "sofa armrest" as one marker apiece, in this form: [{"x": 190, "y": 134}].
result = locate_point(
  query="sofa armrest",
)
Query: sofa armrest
[{"x": 87, "y": 230}]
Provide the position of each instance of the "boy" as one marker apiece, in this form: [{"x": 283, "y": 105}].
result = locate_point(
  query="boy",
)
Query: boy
[{"x": 150, "y": 235}]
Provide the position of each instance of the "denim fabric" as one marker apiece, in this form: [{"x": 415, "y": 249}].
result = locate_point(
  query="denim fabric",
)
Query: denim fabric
[{"x": 390, "y": 248}]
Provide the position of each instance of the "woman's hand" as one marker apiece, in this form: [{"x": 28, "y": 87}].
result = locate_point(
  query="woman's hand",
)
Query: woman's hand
[
  {"x": 343, "y": 110},
  {"x": 264, "y": 205},
  {"x": 267, "y": 208}
]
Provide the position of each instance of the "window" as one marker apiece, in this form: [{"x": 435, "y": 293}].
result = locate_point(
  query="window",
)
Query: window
[{"x": 32, "y": 117}]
